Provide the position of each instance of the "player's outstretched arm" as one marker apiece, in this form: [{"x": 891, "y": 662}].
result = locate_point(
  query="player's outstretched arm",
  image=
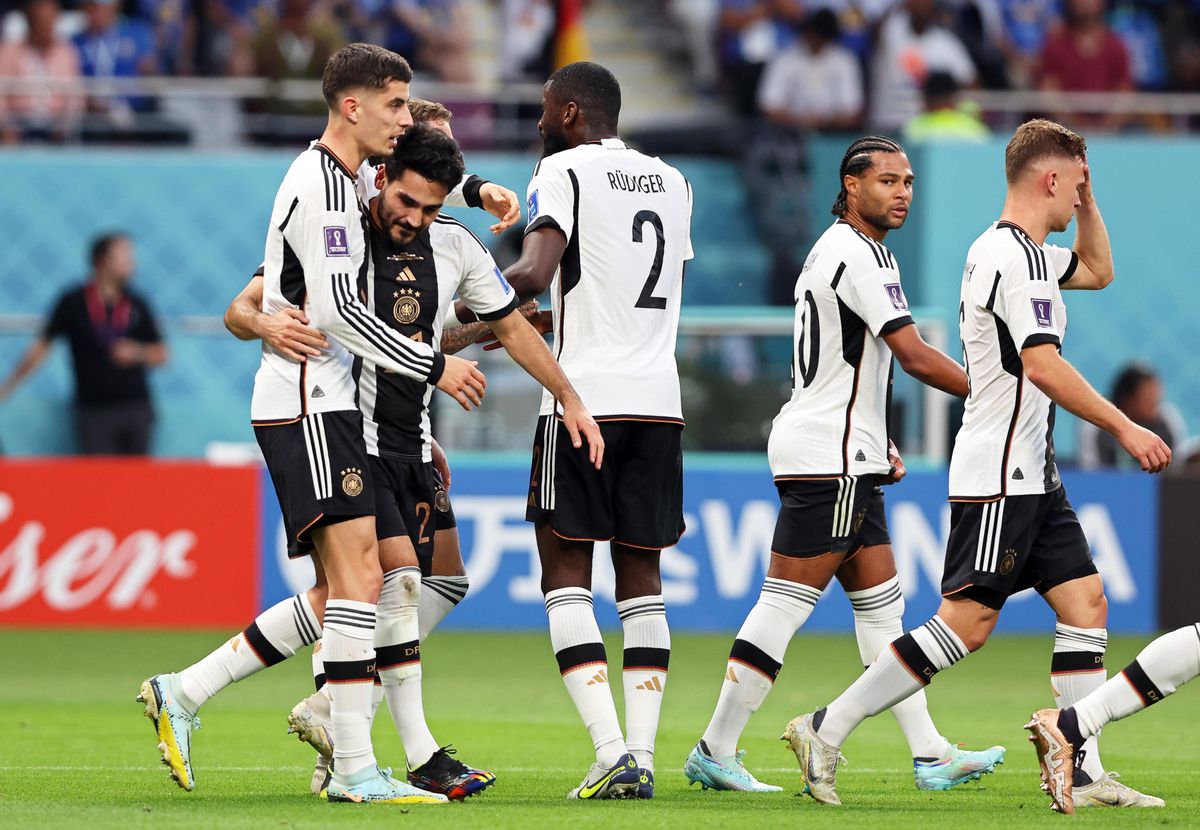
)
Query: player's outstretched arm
[
  {"x": 462, "y": 380},
  {"x": 541, "y": 252},
  {"x": 29, "y": 362},
  {"x": 1048, "y": 371},
  {"x": 1095, "y": 268},
  {"x": 501, "y": 203},
  {"x": 925, "y": 363},
  {"x": 530, "y": 351},
  {"x": 287, "y": 330}
]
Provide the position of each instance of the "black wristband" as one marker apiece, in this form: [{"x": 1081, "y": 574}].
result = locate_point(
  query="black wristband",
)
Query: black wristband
[{"x": 471, "y": 188}]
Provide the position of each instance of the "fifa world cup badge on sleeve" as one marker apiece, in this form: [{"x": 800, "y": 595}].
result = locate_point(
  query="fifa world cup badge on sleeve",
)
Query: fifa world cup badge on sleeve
[
  {"x": 336, "y": 243},
  {"x": 896, "y": 293},
  {"x": 533, "y": 205},
  {"x": 1041, "y": 312}
]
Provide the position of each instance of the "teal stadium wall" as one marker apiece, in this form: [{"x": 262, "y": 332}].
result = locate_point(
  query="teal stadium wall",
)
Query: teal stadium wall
[{"x": 198, "y": 220}]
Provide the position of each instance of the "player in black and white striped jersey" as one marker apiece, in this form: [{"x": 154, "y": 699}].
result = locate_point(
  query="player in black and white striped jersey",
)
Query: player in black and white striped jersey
[
  {"x": 829, "y": 452},
  {"x": 306, "y": 416}
]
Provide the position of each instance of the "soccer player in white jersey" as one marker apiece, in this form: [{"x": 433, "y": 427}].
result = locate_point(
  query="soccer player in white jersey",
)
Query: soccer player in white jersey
[
  {"x": 277, "y": 631},
  {"x": 830, "y": 452},
  {"x": 609, "y": 231},
  {"x": 1159, "y": 670},
  {"x": 1011, "y": 526},
  {"x": 307, "y": 420}
]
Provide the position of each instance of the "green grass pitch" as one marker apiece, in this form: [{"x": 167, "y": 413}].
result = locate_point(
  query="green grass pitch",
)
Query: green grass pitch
[{"x": 75, "y": 750}]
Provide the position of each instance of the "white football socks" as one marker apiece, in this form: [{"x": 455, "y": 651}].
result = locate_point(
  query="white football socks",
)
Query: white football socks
[
  {"x": 903, "y": 668},
  {"x": 274, "y": 636},
  {"x": 439, "y": 595},
  {"x": 647, "y": 654},
  {"x": 1077, "y": 670},
  {"x": 398, "y": 661},
  {"x": 1161, "y": 668},
  {"x": 879, "y": 620},
  {"x": 755, "y": 660},
  {"x": 349, "y": 652},
  {"x": 575, "y": 638}
]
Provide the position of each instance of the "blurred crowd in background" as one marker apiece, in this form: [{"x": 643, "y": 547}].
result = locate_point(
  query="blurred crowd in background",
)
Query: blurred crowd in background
[{"x": 809, "y": 64}]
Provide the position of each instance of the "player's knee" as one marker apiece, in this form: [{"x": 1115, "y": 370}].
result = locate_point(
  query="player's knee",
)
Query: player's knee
[
  {"x": 1091, "y": 610},
  {"x": 975, "y": 637},
  {"x": 318, "y": 595}
]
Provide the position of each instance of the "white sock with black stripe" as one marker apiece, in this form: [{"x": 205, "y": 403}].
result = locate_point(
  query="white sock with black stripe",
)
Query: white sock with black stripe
[
  {"x": 878, "y": 620},
  {"x": 755, "y": 660},
  {"x": 439, "y": 596},
  {"x": 275, "y": 635},
  {"x": 1077, "y": 670},
  {"x": 349, "y": 651},
  {"x": 900, "y": 670},
  {"x": 575, "y": 638},
  {"x": 1159, "y": 670},
  {"x": 647, "y": 654},
  {"x": 398, "y": 662}
]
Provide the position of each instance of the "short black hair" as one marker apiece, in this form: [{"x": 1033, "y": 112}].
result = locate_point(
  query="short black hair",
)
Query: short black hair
[
  {"x": 1129, "y": 380},
  {"x": 823, "y": 23},
  {"x": 857, "y": 161},
  {"x": 361, "y": 65},
  {"x": 593, "y": 89},
  {"x": 103, "y": 243},
  {"x": 428, "y": 152}
]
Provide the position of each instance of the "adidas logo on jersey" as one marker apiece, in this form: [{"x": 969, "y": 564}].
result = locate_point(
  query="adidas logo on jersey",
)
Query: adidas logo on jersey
[
  {"x": 860, "y": 456},
  {"x": 318, "y": 392},
  {"x": 600, "y": 677},
  {"x": 1018, "y": 475},
  {"x": 651, "y": 685},
  {"x": 406, "y": 275}
]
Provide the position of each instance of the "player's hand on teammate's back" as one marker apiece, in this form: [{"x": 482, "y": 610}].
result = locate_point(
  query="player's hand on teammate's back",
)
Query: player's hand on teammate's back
[
  {"x": 462, "y": 380},
  {"x": 501, "y": 203},
  {"x": 287, "y": 331},
  {"x": 582, "y": 426},
  {"x": 1150, "y": 451},
  {"x": 898, "y": 470}
]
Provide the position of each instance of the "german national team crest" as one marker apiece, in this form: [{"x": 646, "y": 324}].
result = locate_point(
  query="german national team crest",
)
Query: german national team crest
[
  {"x": 407, "y": 308},
  {"x": 352, "y": 483},
  {"x": 1008, "y": 562},
  {"x": 1041, "y": 312},
  {"x": 441, "y": 501}
]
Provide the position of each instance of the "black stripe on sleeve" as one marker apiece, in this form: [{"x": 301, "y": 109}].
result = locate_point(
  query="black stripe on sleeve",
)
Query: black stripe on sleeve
[
  {"x": 470, "y": 190},
  {"x": 1025, "y": 248},
  {"x": 837, "y": 277},
  {"x": 544, "y": 222},
  {"x": 1039, "y": 339},
  {"x": 895, "y": 325},
  {"x": 488, "y": 316},
  {"x": 1070, "y": 272}
]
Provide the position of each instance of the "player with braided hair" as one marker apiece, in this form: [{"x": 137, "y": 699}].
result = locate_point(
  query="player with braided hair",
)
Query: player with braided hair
[{"x": 830, "y": 452}]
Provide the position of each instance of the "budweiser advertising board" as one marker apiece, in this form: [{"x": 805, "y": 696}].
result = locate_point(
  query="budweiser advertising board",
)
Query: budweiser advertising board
[{"x": 129, "y": 543}]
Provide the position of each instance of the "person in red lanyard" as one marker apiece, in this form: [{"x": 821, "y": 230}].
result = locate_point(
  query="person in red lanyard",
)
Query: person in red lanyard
[{"x": 114, "y": 339}]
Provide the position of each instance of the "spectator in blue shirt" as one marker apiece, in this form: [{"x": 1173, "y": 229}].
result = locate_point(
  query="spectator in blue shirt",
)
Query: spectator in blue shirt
[{"x": 111, "y": 46}]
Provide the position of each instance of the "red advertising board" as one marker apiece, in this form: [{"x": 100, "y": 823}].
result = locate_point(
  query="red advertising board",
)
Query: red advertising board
[{"x": 129, "y": 543}]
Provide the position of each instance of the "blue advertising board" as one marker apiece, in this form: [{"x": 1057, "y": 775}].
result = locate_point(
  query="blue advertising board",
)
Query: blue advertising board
[{"x": 712, "y": 577}]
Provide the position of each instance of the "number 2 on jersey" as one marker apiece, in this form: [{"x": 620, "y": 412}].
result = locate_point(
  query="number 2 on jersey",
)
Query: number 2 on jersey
[{"x": 647, "y": 299}]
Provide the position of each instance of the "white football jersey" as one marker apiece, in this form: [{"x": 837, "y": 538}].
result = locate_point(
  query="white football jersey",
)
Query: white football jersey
[
  {"x": 1010, "y": 301},
  {"x": 411, "y": 289},
  {"x": 316, "y": 259},
  {"x": 627, "y": 219},
  {"x": 848, "y": 296}
]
